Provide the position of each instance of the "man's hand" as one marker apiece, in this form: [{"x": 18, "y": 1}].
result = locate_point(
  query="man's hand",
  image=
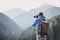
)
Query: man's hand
[
  {"x": 33, "y": 28},
  {"x": 40, "y": 30}
]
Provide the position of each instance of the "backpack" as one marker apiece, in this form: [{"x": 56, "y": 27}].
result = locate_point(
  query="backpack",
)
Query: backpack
[{"x": 44, "y": 28}]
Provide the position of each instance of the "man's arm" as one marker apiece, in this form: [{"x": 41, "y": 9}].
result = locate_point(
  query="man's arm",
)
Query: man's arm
[
  {"x": 44, "y": 18},
  {"x": 35, "y": 23}
]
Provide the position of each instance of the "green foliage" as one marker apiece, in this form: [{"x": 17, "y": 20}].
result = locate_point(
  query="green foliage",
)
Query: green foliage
[{"x": 56, "y": 27}]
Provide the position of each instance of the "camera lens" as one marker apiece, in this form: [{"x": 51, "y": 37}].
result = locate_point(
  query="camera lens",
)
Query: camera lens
[{"x": 34, "y": 16}]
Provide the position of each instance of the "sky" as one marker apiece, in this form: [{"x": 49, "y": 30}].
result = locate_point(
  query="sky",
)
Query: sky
[{"x": 26, "y": 4}]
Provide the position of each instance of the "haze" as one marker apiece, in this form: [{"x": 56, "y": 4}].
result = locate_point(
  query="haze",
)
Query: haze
[{"x": 26, "y": 4}]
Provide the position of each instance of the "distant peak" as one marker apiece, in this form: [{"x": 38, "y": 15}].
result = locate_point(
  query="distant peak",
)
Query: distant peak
[
  {"x": 1, "y": 13},
  {"x": 17, "y": 9},
  {"x": 47, "y": 5}
]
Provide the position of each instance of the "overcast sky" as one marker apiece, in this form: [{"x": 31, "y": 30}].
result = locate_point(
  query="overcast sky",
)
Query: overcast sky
[{"x": 25, "y": 4}]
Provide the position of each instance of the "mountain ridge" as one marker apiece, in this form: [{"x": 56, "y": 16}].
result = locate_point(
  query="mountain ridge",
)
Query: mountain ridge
[
  {"x": 27, "y": 18},
  {"x": 8, "y": 27}
]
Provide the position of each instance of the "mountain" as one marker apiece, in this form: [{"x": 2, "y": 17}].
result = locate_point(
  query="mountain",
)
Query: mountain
[
  {"x": 14, "y": 12},
  {"x": 8, "y": 28},
  {"x": 26, "y": 19},
  {"x": 54, "y": 32},
  {"x": 28, "y": 34}
]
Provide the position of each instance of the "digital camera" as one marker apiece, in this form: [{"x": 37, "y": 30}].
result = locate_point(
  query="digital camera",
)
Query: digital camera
[{"x": 36, "y": 16}]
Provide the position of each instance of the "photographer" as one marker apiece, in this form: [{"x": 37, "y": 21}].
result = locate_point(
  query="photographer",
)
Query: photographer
[{"x": 36, "y": 24}]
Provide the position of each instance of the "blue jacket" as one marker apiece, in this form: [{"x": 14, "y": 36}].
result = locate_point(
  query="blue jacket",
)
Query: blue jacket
[{"x": 37, "y": 21}]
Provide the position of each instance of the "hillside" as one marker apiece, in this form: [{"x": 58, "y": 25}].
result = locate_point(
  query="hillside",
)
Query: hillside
[{"x": 8, "y": 28}]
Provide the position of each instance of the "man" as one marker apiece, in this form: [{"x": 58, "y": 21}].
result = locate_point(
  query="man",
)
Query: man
[{"x": 37, "y": 23}]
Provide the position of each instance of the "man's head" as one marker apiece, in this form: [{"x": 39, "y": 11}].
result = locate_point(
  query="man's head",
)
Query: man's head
[{"x": 40, "y": 14}]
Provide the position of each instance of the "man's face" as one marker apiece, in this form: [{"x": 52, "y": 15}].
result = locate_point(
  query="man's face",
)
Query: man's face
[{"x": 39, "y": 14}]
